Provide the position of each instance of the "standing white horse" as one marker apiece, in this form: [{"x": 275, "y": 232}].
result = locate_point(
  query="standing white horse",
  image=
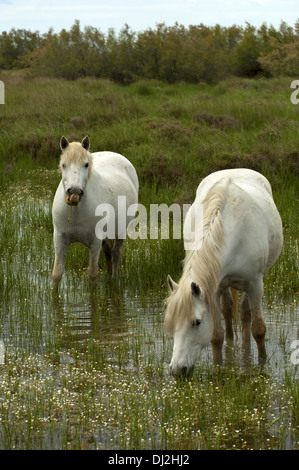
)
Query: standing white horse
[
  {"x": 241, "y": 238},
  {"x": 89, "y": 180}
]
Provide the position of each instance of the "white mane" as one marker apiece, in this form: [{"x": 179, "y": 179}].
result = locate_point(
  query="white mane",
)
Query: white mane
[{"x": 201, "y": 266}]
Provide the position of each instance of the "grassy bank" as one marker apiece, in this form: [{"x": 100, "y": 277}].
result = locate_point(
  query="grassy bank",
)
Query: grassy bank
[
  {"x": 90, "y": 369},
  {"x": 174, "y": 135}
]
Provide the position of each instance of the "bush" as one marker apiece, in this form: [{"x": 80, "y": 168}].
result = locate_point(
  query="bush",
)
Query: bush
[{"x": 170, "y": 54}]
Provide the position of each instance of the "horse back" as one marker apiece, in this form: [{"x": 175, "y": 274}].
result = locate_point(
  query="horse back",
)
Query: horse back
[
  {"x": 114, "y": 165},
  {"x": 251, "y": 221}
]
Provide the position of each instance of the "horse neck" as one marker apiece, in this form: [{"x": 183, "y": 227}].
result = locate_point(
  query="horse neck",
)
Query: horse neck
[
  {"x": 205, "y": 263},
  {"x": 204, "y": 266},
  {"x": 95, "y": 180}
]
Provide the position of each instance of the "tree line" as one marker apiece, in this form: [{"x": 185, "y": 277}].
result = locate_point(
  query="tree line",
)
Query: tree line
[{"x": 168, "y": 53}]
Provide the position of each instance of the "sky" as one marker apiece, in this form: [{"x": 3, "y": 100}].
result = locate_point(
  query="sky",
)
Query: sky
[{"x": 41, "y": 15}]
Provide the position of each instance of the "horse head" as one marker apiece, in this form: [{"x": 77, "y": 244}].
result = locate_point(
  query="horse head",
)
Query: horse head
[
  {"x": 188, "y": 319},
  {"x": 75, "y": 167}
]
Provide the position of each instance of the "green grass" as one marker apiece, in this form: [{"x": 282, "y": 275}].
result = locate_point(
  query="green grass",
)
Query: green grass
[
  {"x": 174, "y": 135},
  {"x": 89, "y": 369}
]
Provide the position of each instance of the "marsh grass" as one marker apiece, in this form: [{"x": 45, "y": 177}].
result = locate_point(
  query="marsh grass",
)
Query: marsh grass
[
  {"x": 89, "y": 368},
  {"x": 77, "y": 405}
]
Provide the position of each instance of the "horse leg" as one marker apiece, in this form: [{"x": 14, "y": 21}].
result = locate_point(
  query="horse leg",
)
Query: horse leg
[
  {"x": 227, "y": 311},
  {"x": 116, "y": 256},
  {"x": 217, "y": 338},
  {"x": 60, "y": 247},
  {"x": 107, "y": 246},
  {"x": 93, "y": 267},
  {"x": 258, "y": 327},
  {"x": 246, "y": 320}
]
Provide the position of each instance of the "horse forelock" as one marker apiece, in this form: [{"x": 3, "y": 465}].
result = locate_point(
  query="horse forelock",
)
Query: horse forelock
[
  {"x": 75, "y": 153},
  {"x": 179, "y": 307}
]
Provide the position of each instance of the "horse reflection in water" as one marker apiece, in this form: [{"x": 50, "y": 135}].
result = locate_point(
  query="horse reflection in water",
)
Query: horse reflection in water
[
  {"x": 84, "y": 324},
  {"x": 88, "y": 181},
  {"x": 240, "y": 239}
]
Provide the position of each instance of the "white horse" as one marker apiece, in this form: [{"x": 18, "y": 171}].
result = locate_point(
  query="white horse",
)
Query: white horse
[
  {"x": 241, "y": 238},
  {"x": 89, "y": 180}
]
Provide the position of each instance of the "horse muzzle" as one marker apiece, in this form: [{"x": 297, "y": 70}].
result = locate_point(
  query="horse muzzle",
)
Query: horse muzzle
[
  {"x": 73, "y": 196},
  {"x": 181, "y": 372}
]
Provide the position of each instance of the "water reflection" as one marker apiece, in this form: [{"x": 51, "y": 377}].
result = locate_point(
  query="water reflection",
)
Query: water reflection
[
  {"x": 282, "y": 322},
  {"x": 109, "y": 315},
  {"x": 98, "y": 317}
]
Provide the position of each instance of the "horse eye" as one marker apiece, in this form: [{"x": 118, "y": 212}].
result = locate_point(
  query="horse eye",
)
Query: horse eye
[
  {"x": 196, "y": 322},
  {"x": 86, "y": 165},
  {"x": 63, "y": 166}
]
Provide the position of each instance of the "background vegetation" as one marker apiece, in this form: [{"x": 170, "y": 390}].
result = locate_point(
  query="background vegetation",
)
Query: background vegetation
[
  {"x": 89, "y": 370},
  {"x": 168, "y": 53},
  {"x": 174, "y": 135}
]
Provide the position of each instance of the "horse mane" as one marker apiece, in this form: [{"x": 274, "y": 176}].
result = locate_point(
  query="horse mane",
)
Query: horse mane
[
  {"x": 75, "y": 153},
  {"x": 201, "y": 266}
]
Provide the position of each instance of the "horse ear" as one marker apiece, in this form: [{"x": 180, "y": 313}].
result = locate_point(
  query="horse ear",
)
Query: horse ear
[
  {"x": 173, "y": 285},
  {"x": 86, "y": 142},
  {"x": 195, "y": 289},
  {"x": 64, "y": 143}
]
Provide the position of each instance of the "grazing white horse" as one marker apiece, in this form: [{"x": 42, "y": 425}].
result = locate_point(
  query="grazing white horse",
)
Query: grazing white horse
[
  {"x": 241, "y": 238},
  {"x": 89, "y": 180}
]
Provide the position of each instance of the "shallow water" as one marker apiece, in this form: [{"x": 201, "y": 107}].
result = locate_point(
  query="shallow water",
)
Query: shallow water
[
  {"x": 126, "y": 316},
  {"x": 120, "y": 333},
  {"x": 76, "y": 354}
]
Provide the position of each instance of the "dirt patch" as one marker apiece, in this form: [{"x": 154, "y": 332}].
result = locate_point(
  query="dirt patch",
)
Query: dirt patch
[
  {"x": 256, "y": 161},
  {"x": 106, "y": 100},
  {"x": 292, "y": 161},
  {"x": 169, "y": 130},
  {"x": 39, "y": 146},
  {"x": 77, "y": 122},
  {"x": 162, "y": 171},
  {"x": 220, "y": 122}
]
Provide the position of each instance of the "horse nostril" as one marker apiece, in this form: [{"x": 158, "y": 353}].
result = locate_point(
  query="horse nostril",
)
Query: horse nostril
[
  {"x": 184, "y": 371},
  {"x": 78, "y": 191},
  {"x": 178, "y": 372}
]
